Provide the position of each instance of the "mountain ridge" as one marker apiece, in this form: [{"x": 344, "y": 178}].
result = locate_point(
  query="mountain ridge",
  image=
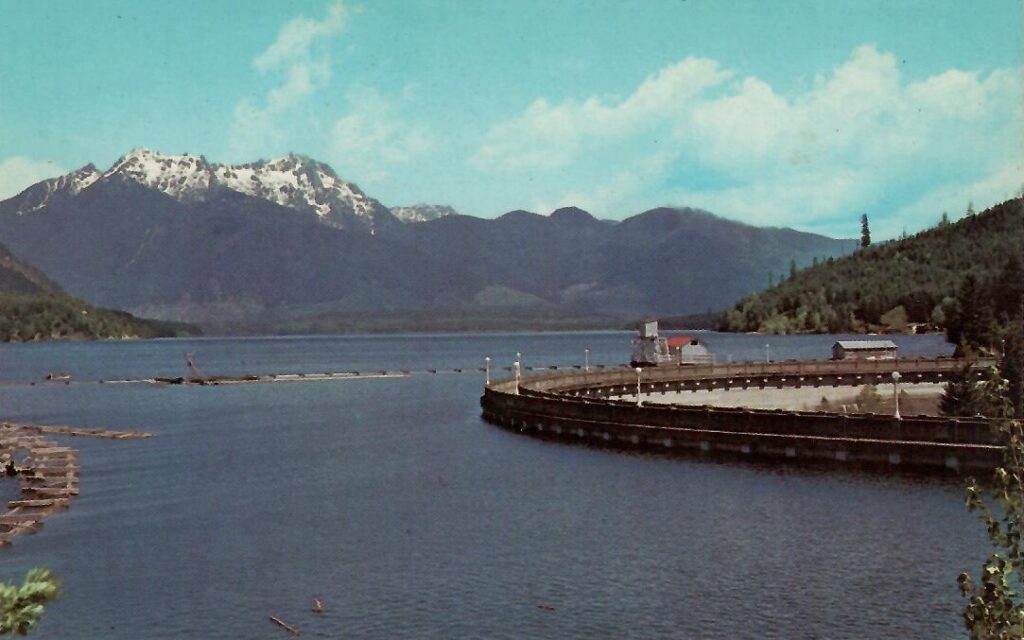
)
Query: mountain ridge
[
  {"x": 167, "y": 236},
  {"x": 293, "y": 181}
]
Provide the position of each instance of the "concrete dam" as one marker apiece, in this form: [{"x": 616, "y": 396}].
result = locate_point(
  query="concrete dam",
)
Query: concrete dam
[{"x": 582, "y": 406}]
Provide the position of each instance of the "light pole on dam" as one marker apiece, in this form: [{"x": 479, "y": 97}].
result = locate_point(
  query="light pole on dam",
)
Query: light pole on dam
[
  {"x": 639, "y": 402},
  {"x": 896, "y": 393}
]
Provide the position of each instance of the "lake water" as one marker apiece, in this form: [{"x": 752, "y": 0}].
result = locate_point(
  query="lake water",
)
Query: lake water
[{"x": 409, "y": 517}]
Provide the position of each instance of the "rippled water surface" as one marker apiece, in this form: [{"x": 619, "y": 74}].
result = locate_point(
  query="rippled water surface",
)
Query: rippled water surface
[{"x": 391, "y": 501}]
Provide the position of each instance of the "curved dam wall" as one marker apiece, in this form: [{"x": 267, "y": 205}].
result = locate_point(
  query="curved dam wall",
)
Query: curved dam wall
[{"x": 575, "y": 406}]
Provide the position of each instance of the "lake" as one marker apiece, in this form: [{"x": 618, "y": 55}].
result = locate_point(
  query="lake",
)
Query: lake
[{"x": 391, "y": 501}]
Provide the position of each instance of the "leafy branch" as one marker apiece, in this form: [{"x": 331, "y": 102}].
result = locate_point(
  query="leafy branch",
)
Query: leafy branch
[{"x": 21, "y": 606}]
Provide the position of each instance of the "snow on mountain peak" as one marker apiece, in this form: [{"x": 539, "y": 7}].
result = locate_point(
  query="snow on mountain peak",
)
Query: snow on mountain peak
[
  {"x": 43, "y": 193},
  {"x": 82, "y": 178},
  {"x": 293, "y": 181},
  {"x": 423, "y": 212},
  {"x": 180, "y": 177}
]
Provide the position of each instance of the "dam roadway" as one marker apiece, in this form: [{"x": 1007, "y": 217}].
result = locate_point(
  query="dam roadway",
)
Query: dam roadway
[{"x": 580, "y": 406}]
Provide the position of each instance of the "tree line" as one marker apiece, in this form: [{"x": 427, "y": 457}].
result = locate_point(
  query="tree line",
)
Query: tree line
[
  {"x": 57, "y": 316},
  {"x": 887, "y": 287}
]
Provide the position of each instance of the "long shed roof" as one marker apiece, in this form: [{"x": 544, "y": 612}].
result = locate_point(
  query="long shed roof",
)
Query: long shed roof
[{"x": 866, "y": 345}]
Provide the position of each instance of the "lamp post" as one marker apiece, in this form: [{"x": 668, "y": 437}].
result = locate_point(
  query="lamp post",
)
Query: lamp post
[
  {"x": 639, "y": 402},
  {"x": 896, "y": 393},
  {"x": 516, "y": 367},
  {"x": 586, "y": 359},
  {"x": 487, "y": 371}
]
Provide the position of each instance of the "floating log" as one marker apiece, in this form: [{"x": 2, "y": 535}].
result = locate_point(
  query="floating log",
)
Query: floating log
[
  {"x": 16, "y": 528},
  {"x": 60, "y": 492},
  {"x": 52, "y": 483},
  {"x": 17, "y": 519},
  {"x": 52, "y": 450},
  {"x": 58, "y": 470},
  {"x": 284, "y": 625},
  {"x": 30, "y": 464},
  {"x": 44, "y": 502},
  {"x": 77, "y": 431},
  {"x": 48, "y": 489}
]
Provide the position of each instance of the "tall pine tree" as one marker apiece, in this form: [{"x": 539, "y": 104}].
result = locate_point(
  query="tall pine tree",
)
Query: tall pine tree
[{"x": 865, "y": 233}]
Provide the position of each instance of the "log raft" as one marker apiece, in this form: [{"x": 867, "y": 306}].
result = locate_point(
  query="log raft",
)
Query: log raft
[{"x": 47, "y": 472}]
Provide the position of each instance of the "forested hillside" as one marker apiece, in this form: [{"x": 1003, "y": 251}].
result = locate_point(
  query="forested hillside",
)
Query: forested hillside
[
  {"x": 917, "y": 279},
  {"x": 33, "y": 308}
]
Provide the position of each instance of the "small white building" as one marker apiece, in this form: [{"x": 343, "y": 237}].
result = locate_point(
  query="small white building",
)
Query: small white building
[
  {"x": 864, "y": 350},
  {"x": 689, "y": 350}
]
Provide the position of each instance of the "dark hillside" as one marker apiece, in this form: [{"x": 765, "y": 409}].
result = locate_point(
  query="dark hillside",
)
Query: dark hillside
[
  {"x": 33, "y": 308},
  {"x": 884, "y": 287}
]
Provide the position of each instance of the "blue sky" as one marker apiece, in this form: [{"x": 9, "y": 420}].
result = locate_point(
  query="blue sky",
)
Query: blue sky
[{"x": 801, "y": 114}]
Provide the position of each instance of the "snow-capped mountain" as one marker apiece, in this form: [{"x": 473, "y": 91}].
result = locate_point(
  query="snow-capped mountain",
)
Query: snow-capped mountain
[
  {"x": 294, "y": 181},
  {"x": 56, "y": 189},
  {"x": 423, "y": 212}
]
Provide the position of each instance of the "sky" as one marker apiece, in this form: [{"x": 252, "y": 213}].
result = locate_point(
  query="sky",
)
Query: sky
[{"x": 800, "y": 114}]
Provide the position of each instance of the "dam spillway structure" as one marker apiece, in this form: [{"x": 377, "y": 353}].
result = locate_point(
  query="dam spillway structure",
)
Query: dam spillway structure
[{"x": 587, "y": 407}]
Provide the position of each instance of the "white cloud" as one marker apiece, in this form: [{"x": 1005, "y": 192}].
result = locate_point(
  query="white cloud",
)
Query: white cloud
[
  {"x": 372, "y": 138},
  {"x": 548, "y": 136},
  {"x": 300, "y": 66},
  {"x": 295, "y": 40},
  {"x": 599, "y": 198},
  {"x": 18, "y": 172},
  {"x": 858, "y": 139},
  {"x": 740, "y": 130}
]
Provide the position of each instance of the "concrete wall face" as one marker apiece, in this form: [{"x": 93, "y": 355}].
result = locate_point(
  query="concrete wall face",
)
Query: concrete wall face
[{"x": 571, "y": 407}]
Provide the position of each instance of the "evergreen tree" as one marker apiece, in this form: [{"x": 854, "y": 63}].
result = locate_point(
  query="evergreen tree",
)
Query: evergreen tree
[
  {"x": 976, "y": 315},
  {"x": 865, "y": 233},
  {"x": 1008, "y": 289},
  {"x": 967, "y": 395},
  {"x": 1011, "y": 363}
]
